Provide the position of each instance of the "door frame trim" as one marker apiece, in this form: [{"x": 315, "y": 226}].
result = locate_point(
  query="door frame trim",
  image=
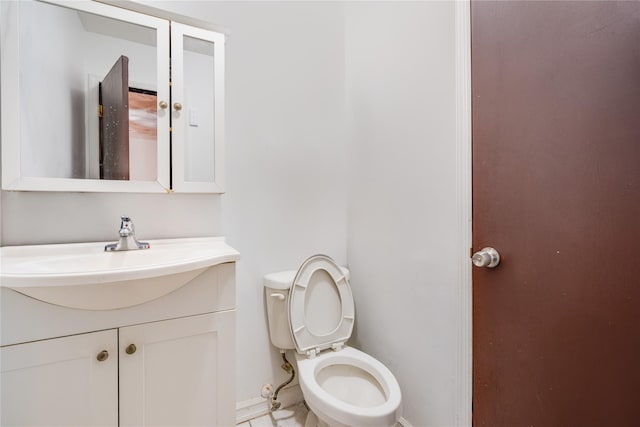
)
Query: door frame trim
[{"x": 463, "y": 296}]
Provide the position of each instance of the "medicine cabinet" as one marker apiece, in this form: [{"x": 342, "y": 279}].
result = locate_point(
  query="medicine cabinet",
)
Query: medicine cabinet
[{"x": 98, "y": 97}]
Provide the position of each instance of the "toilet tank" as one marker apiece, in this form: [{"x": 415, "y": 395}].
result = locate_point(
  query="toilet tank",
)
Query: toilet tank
[{"x": 277, "y": 287}]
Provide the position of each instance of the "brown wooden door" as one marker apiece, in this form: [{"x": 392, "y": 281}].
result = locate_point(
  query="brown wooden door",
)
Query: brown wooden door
[
  {"x": 114, "y": 122},
  {"x": 556, "y": 189}
]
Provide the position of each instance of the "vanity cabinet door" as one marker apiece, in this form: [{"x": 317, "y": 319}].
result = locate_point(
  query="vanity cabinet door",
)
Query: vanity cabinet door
[
  {"x": 178, "y": 372},
  {"x": 70, "y": 381}
]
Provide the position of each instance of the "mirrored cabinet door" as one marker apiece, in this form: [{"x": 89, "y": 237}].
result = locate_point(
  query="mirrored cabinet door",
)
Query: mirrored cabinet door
[
  {"x": 197, "y": 116},
  {"x": 72, "y": 73}
]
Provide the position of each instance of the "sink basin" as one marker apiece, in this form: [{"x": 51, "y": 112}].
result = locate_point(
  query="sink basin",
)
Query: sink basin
[{"x": 83, "y": 275}]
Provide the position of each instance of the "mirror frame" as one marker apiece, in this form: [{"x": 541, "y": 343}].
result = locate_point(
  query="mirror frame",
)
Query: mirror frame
[{"x": 10, "y": 104}]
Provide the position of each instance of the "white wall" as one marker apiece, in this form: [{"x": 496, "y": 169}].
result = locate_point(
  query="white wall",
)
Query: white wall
[
  {"x": 402, "y": 227},
  {"x": 286, "y": 164}
]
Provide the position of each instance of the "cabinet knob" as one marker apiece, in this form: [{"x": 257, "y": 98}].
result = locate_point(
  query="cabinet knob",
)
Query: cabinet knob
[
  {"x": 163, "y": 105},
  {"x": 131, "y": 348},
  {"x": 177, "y": 106},
  {"x": 102, "y": 356}
]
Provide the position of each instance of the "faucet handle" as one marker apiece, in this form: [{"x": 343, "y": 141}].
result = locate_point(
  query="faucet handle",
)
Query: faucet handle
[{"x": 126, "y": 226}]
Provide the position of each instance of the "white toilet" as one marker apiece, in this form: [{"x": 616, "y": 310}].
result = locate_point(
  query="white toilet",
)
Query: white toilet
[{"x": 312, "y": 311}]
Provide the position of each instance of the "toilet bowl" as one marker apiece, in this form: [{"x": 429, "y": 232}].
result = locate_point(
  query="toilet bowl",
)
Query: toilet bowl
[
  {"x": 350, "y": 388},
  {"x": 312, "y": 311}
]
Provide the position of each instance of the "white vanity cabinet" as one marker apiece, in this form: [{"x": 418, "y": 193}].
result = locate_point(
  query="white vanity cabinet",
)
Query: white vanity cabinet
[{"x": 169, "y": 361}]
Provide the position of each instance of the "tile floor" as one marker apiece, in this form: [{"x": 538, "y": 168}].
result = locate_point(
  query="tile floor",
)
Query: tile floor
[{"x": 293, "y": 416}]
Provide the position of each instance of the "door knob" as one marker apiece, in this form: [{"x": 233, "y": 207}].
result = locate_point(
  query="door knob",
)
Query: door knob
[
  {"x": 177, "y": 106},
  {"x": 163, "y": 104},
  {"x": 102, "y": 356},
  {"x": 486, "y": 257},
  {"x": 131, "y": 348}
]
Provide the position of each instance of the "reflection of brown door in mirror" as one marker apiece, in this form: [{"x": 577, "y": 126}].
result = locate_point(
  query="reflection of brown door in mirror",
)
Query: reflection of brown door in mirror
[{"x": 114, "y": 122}]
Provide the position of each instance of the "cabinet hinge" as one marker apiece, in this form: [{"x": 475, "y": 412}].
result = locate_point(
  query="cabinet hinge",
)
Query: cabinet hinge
[
  {"x": 99, "y": 110},
  {"x": 170, "y": 129}
]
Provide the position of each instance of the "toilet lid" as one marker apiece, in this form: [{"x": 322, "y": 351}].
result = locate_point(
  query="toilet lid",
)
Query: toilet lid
[{"x": 321, "y": 310}]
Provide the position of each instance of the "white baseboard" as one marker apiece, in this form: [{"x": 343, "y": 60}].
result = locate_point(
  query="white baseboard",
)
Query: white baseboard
[{"x": 257, "y": 407}]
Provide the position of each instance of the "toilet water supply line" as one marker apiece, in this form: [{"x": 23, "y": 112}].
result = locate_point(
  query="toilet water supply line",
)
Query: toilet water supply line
[{"x": 288, "y": 368}]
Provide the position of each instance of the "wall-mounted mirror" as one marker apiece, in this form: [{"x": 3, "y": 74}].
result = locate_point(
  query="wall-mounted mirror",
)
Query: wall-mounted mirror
[{"x": 87, "y": 103}]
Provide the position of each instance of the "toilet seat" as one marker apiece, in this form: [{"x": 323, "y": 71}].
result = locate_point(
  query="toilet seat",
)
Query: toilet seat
[
  {"x": 337, "y": 411},
  {"x": 321, "y": 309}
]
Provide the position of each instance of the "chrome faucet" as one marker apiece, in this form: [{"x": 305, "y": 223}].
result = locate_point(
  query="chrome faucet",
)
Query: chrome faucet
[{"x": 127, "y": 240}]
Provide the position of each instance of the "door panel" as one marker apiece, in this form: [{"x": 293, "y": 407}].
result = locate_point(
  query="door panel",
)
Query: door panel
[
  {"x": 179, "y": 372},
  {"x": 556, "y": 189},
  {"x": 61, "y": 382}
]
